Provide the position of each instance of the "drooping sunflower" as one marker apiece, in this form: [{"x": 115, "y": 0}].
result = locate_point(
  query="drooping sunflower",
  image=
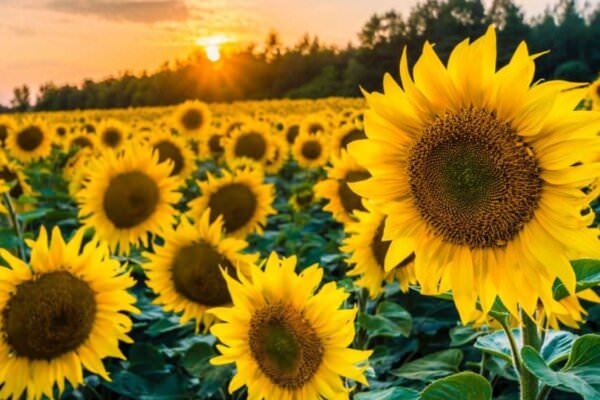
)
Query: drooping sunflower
[
  {"x": 313, "y": 124},
  {"x": 213, "y": 146},
  {"x": 311, "y": 151},
  {"x": 343, "y": 201},
  {"x": 31, "y": 140},
  {"x": 81, "y": 140},
  {"x": 12, "y": 174},
  {"x": 75, "y": 171},
  {"x": 485, "y": 172},
  {"x": 112, "y": 134},
  {"x": 252, "y": 141},
  {"x": 241, "y": 198},
  {"x": 185, "y": 272},
  {"x": 375, "y": 260},
  {"x": 128, "y": 196},
  {"x": 288, "y": 340},
  {"x": 291, "y": 133},
  {"x": 175, "y": 150},
  {"x": 60, "y": 314},
  {"x": 274, "y": 164},
  {"x": 345, "y": 135},
  {"x": 192, "y": 118}
]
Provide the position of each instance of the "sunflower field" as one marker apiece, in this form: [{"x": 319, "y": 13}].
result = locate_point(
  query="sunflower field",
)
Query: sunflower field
[{"x": 437, "y": 240}]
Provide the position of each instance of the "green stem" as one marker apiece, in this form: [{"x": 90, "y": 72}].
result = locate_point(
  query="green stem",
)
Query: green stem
[
  {"x": 14, "y": 219},
  {"x": 530, "y": 337},
  {"x": 544, "y": 392},
  {"x": 514, "y": 348}
]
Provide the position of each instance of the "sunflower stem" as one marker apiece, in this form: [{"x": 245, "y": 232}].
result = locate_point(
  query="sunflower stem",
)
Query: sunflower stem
[
  {"x": 514, "y": 348},
  {"x": 14, "y": 219},
  {"x": 530, "y": 337}
]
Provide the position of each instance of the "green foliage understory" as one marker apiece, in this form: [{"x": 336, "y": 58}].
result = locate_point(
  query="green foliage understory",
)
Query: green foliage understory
[
  {"x": 420, "y": 349},
  {"x": 310, "y": 69}
]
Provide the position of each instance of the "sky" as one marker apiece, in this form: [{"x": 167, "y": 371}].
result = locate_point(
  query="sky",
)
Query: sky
[{"x": 67, "y": 41}]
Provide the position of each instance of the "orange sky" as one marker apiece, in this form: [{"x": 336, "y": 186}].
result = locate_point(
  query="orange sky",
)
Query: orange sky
[{"x": 65, "y": 41}]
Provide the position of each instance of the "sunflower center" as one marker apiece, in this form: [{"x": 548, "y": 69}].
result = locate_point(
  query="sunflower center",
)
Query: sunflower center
[
  {"x": 292, "y": 133},
  {"x": 473, "y": 179},
  {"x": 354, "y": 134},
  {"x": 131, "y": 197},
  {"x": 30, "y": 138},
  {"x": 89, "y": 128},
  {"x": 49, "y": 316},
  {"x": 252, "y": 145},
  {"x": 236, "y": 203},
  {"x": 167, "y": 150},
  {"x": 311, "y": 149},
  {"x": 315, "y": 128},
  {"x": 111, "y": 137},
  {"x": 192, "y": 119},
  {"x": 3, "y": 133},
  {"x": 61, "y": 131},
  {"x": 350, "y": 200},
  {"x": 9, "y": 176},
  {"x": 82, "y": 142},
  {"x": 598, "y": 90},
  {"x": 214, "y": 143},
  {"x": 285, "y": 346},
  {"x": 305, "y": 197},
  {"x": 197, "y": 276}
]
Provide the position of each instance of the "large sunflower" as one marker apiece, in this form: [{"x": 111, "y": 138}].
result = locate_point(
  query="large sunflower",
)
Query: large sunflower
[
  {"x": 342, "y": 200},
  {"x": 288, "y": 341},
  {"x": 174, "y": 150},
  {"x": 60, "y": 314},
  {"x": 192, "y": 118},
  {"x": 251, "y": 141},
  {"x": 185, "y": 272},
  {"x": 31, "y": 140},
  {"x": 241, "y": 198},
  {"x": 311, "y": 151},
  {"x": 375, "y": 260},
  {"x": 485, "y": 173},
  {"x": 127, "y": 197}
]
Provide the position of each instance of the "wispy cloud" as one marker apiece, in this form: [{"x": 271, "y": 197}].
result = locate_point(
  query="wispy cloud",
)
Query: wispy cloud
[{"x": 145, "y": 11}]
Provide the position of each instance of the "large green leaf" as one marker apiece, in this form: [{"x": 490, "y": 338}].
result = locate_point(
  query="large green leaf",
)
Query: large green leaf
[
  {"x": 462, "y": 386},
  {"x": 464, "y": 334},
  {"x": 588, "y": 275},
  {"x": 432, "y": 366},
  {"x": 395, "y": 393},
  {"x": 581, "y": 373},
  {"x": 555, "y": 348},
  {"x": 390, "y": 320}
]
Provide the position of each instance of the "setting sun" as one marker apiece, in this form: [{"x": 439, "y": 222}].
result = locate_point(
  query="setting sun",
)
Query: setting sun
[{"x": 213, "y": 53}]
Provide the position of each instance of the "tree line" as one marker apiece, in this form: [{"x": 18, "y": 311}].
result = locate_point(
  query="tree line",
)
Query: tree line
[{"x": 311, "y": 69}]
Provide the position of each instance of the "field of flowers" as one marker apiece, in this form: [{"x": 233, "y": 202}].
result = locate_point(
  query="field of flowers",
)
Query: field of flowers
[{"x": 435, "y": 241}]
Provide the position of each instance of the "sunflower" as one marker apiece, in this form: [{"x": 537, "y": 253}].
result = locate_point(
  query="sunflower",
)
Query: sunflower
[
  {"x": 192, "y": 118},
  {"x": 314, "y": 124},
  {"x": 376, "y": 260},
  {"x": 288, "y": 341},
  {"x": 12, "y": 174},
  {"x": 60, "y": 314},
  {"x": 6, "y": 127},
  {"x": 274, "y": 164},
  {"x": 76, "y": 171},
  {"x": 342, "y": 200},
  {"x": 291, "y": 133},
  {"x": 174, "y": 149},
  {"x": 302, "y": 197},
  {"x": 213, "y": 145},
  {"x": 311, "y": 151},
  {"x": 82, "y": 140},
  {"x": 185, "y": 272},
  {"x": 128, "y": 197},
  {"x": 241, "y": 198},
  {"x": 112, "y": 134},
  {"x": 345, "y": 135},
  {"x": 30, "y": 141},
  {"x": 252, "y": 141},
  {"x": 485, "y": 173}
]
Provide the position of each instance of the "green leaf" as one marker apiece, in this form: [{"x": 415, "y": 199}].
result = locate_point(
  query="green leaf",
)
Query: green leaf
[
  {"x": 390, "y": 320},
  {"x": 432, "y": 366},
  {"x": 462, "y": 335},
  {"x": 463, "y": 386},
  {"x": 581, "y": 373},
  {"x": 555, "y": 348},
  {"x": 196, "y": 358},
  {"x": 144, "y": 358},
  {"x": 588, "y": 276},
  {"x": 395, "y": 393}
]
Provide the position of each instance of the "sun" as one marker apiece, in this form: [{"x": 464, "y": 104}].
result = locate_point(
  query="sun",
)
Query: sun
[{"x": 213, "y": 53}]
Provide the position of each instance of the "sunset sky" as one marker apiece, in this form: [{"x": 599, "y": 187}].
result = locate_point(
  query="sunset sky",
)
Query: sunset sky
[{"x": 65, "y": 41}]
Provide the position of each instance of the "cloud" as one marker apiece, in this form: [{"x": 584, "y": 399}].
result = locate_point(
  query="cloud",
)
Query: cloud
[{"x": 145, "y": 11}]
